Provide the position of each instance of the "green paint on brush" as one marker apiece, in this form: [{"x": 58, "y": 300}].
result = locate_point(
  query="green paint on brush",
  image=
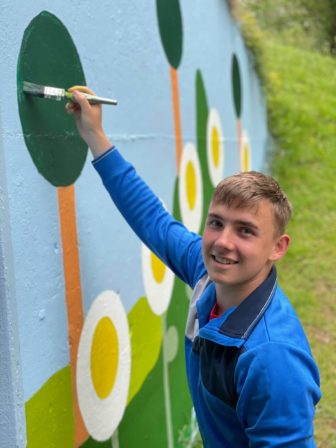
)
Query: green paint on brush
[
  {"x": 171, "y": 29},
  {"x": 49, "y": 57},
  {"x": 49, "y": 413}
]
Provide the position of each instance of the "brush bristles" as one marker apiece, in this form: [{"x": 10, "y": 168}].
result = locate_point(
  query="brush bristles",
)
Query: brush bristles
[
  {"x": 33, "y": 89},
  {"x": 43, "y": 91}
]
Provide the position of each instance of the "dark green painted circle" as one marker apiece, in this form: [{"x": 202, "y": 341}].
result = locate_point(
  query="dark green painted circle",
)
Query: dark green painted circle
[
  {"x": 171, "y": 31},
  {"x": 49, "y": 57},
  {"x": 236, "y": 85}
]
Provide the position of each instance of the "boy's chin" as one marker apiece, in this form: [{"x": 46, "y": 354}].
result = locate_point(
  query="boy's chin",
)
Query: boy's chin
[{"x": 221, "y": 279}]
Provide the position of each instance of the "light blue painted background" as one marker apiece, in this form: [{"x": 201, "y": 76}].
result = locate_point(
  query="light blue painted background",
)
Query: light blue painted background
[{"x": 122, "y": 56}]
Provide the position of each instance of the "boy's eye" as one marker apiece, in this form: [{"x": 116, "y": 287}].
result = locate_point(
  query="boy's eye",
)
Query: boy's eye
[
  {"x": 214, "y": 223},
  {"x": 246, "y": 231}
]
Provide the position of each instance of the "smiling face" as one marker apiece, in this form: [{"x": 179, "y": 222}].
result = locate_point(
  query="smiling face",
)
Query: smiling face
[{"x": 239, "y": 247}]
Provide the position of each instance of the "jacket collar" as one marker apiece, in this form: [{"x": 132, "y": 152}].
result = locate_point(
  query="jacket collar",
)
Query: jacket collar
[{"x": 241, "y": 322}]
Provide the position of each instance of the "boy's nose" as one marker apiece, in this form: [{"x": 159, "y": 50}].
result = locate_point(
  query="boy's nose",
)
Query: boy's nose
[{"x": 225, "y": 239}]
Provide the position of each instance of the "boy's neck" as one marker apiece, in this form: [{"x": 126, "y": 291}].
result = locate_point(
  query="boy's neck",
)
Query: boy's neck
[{"x": 228, "y": 296}]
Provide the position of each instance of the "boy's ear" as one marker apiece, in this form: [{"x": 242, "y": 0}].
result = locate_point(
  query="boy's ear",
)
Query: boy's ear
[{"x": 280, "y": 247}]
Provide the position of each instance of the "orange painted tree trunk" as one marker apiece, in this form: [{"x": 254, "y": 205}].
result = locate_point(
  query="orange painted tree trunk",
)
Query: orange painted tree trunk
[{"x": 73, "y": 292}]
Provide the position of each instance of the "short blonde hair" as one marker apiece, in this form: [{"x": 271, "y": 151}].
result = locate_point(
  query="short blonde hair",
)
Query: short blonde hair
[{"x": 248, "y": 188}]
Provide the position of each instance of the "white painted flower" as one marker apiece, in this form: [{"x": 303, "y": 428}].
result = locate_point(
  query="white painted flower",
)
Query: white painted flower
[
  {"x": 215, "y": 147},
  {"x": 158, "y": 281},
  {"x": 103, "y": 366},
  {"x": 245, "y": 153},
  {"x": 191, "y": 189}
]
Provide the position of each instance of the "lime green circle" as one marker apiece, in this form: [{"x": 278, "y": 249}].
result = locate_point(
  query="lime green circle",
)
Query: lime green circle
[{"x": 49, "y": 57}]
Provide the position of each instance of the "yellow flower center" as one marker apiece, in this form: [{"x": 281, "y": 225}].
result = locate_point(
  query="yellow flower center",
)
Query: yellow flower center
[
  {"x": 191, "y": 185},
  {"x": 215, "y": 146},
  {"x": 104, "y": 357},
  {"x": 158, "y": 268}
]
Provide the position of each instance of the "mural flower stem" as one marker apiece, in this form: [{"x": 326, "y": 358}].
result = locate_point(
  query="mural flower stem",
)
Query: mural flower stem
[
  {"x": 171, "y": 32},
  {"x": 177, "y": 116}
]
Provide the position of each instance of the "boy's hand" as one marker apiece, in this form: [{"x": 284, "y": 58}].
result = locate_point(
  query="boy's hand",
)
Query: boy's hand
[{"x": 88, "y": 120}]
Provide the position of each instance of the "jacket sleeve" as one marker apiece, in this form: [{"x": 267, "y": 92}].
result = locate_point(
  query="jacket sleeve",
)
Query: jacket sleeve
[
  {"x": 172, "y": 242},
  {"x": 278, "y": 388}
]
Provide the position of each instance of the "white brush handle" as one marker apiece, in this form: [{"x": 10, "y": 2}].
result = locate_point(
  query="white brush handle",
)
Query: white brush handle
[{"x": 100, "y": 100}]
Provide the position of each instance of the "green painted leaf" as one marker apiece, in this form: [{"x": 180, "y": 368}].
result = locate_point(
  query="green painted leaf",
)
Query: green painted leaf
[
  {"x": 202, "y": 111},
  {"x": 49, "y": 413},
  {"x": 171, "y": 29},
  {"x": 236, "y": 85}
]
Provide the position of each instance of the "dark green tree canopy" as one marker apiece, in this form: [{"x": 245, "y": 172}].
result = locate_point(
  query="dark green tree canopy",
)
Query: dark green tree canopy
[
  {"x": 49, "y": 57},
  {"x": 171, "y": 29},
  {"x": 236, "y": 85}
]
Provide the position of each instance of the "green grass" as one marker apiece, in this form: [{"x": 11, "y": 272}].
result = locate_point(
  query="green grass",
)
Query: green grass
[
  {"x": 299, "y": 86},
  {"x": 302, "y": 114},
  {"x": 306, "y": 24}
]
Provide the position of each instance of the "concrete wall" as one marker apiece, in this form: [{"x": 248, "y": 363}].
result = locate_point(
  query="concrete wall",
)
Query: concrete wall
[{"x": 92, "y": 324}]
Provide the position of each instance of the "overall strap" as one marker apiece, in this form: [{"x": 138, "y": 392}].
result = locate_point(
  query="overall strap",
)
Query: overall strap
[{"x": 192, "y": 326}]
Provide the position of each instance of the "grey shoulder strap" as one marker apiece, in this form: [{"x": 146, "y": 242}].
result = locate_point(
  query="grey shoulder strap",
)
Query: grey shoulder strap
[{"x": 192, "y": 320}]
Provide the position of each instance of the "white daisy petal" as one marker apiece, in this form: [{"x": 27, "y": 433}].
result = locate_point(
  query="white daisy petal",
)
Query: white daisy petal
[
  {"x": 191, "y": 188},
  {"x": 158, "y": 281},
  {"x": 215, "y": 147},
  {"x": 245, "y": 153},
  {"x": 103, "y": 366}
]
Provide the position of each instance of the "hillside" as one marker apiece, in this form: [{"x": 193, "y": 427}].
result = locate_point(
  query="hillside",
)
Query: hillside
[{"x": 298, "y": 72}]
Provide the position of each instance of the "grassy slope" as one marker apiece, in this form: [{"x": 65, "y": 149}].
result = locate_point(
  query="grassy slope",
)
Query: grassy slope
[
  {"x": 302, "y": 117},
  {"x": 299, "y": 86}
]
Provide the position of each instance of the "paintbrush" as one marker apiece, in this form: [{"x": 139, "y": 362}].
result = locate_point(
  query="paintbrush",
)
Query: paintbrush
[{"x": 58, "y": 94}]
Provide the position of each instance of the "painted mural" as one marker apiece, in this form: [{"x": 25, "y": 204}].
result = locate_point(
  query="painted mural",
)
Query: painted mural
[{"x": 100, "y": 319}]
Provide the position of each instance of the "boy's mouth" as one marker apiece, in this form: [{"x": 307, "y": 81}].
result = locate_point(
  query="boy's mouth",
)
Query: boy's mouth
[{"x": 223, "y": 260}]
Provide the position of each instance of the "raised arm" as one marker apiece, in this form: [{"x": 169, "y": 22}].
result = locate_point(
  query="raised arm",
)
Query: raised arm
[
  {"x": 177, "y": 247},
  {"x": 89, "y": 121}
]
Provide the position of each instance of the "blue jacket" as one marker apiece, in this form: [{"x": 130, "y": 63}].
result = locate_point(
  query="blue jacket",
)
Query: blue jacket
[{"x": 252, "y": 377}]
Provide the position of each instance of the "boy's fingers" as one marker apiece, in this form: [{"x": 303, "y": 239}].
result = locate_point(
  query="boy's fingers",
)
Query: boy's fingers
[
  {"x": 71, "y": 108},
  {"x": 81, "y": 100},
  {"x": 83, "y": 89}
]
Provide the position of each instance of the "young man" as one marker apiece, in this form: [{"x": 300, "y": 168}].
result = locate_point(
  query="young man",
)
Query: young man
[{"x": 252, "y": 377}]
